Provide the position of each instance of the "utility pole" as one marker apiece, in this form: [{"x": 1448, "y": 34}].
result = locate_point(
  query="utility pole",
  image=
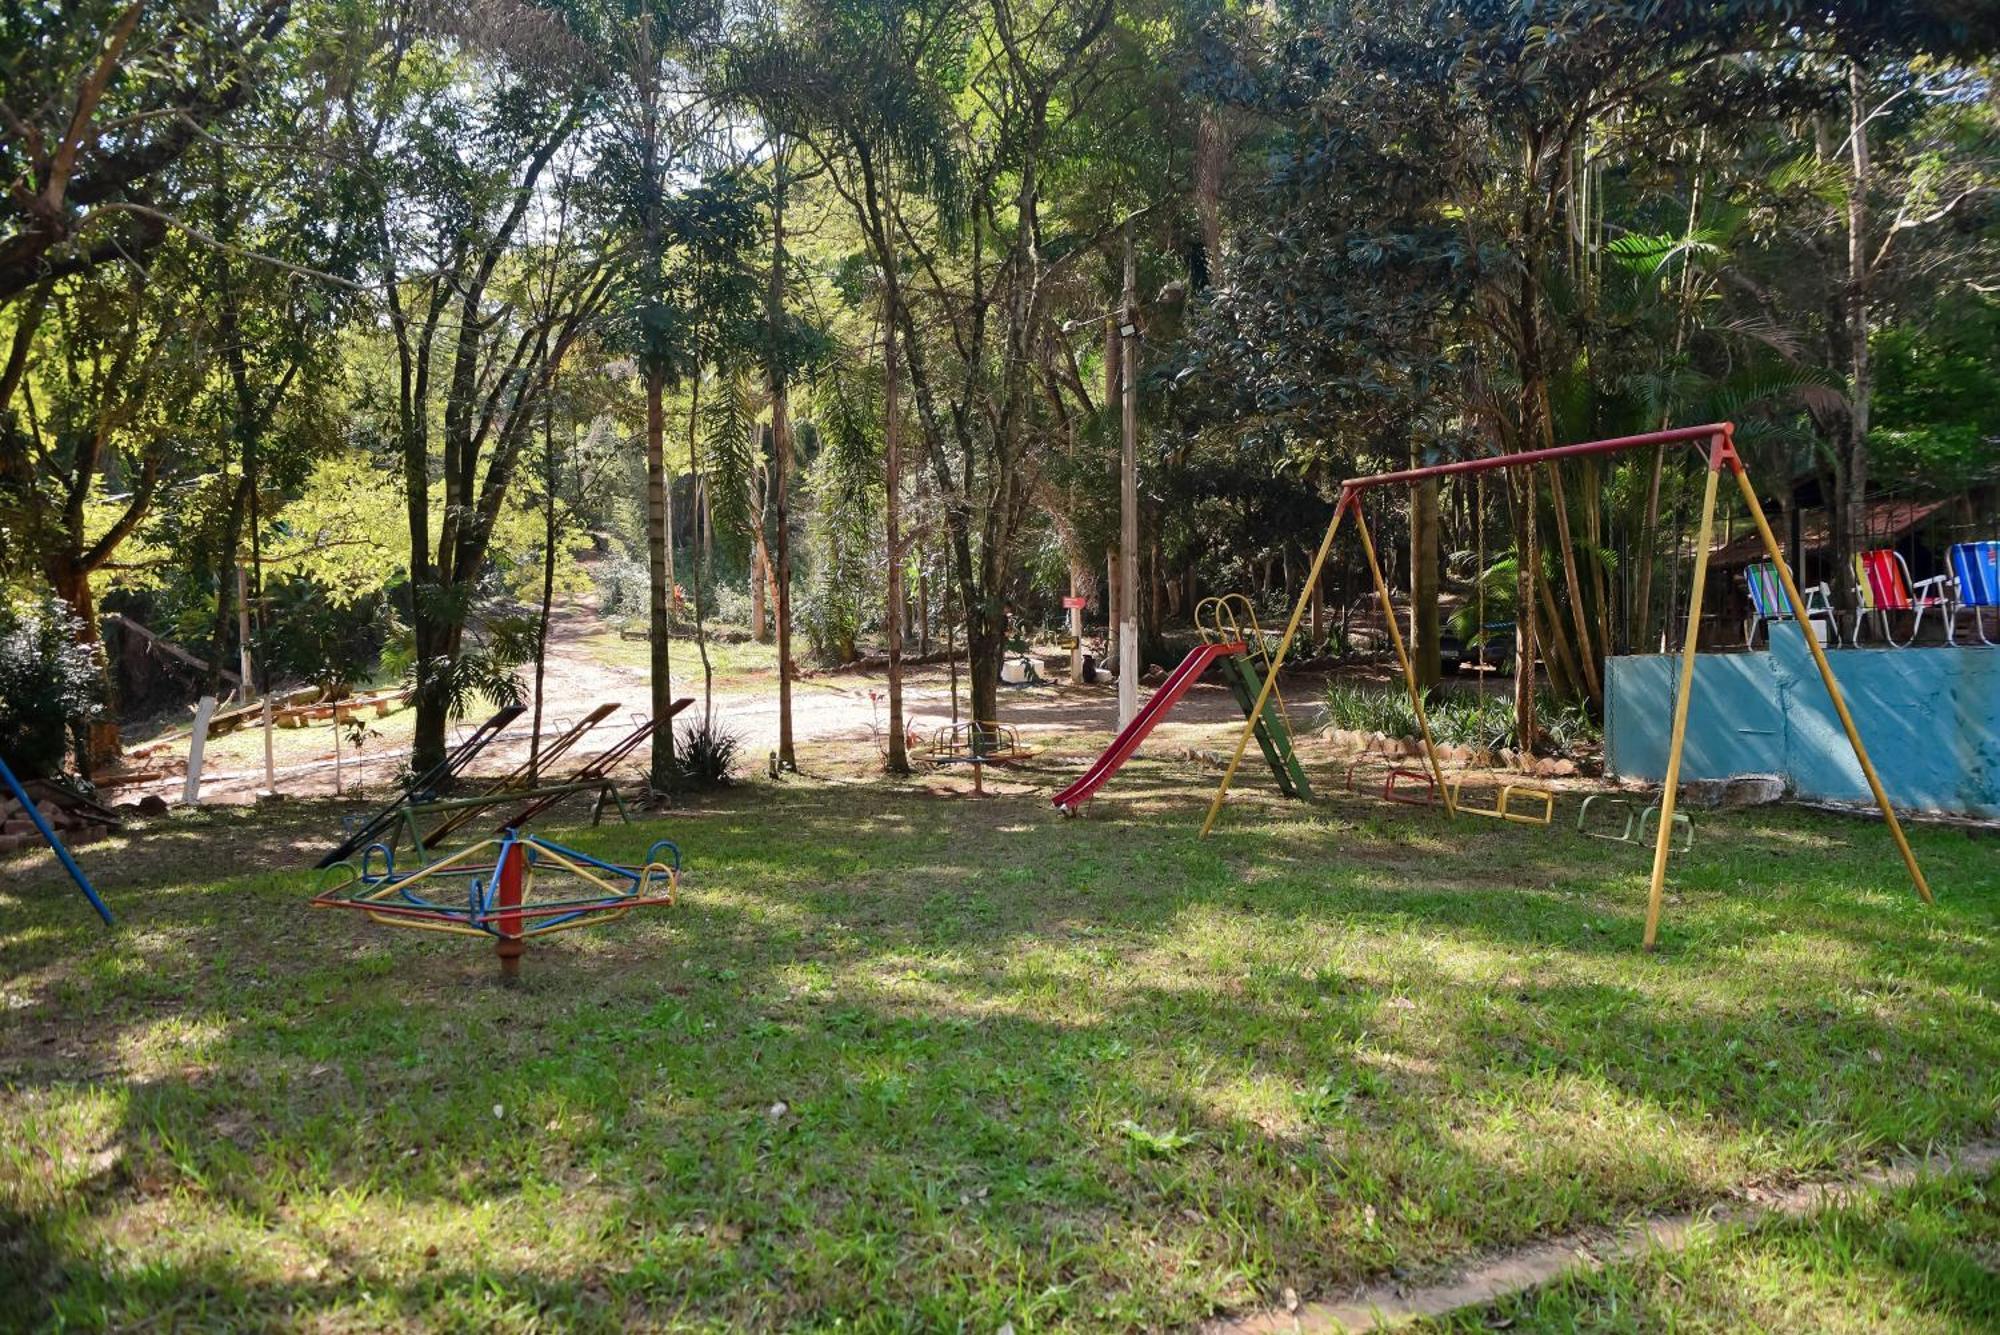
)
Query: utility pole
[{"x": 1128, "y": 495}]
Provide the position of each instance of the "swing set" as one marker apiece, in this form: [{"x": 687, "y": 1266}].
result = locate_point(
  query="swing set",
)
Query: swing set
[{"x": 1717, "y": 442}]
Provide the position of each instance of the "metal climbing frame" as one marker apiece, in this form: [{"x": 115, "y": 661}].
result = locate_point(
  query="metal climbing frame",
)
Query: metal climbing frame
[{"x": 1716, "y": 439}]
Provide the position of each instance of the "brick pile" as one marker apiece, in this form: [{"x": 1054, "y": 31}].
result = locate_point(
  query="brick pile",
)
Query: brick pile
[{"x": 76, "y": 820}]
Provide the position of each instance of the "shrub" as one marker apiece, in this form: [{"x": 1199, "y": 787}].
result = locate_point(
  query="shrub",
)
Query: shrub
[
  {"x": 48, "y": 684},
  {"x": 1370, "y": 709},
  {"x": 624, "y": 588},
  {"x": 704, "y": 754},
  {"x": 1482, "y": 721}
]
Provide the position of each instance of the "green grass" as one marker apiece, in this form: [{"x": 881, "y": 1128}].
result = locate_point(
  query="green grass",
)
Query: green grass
[
  {"x": 1923, "y": 1259},
  {"x": 730, "y": 661},
  {"x": 1065, "y": 1074}
]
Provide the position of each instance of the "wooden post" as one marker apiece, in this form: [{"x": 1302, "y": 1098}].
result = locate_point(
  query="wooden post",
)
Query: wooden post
[
  {"x": 203, "y": 712},
  {"x": 1826, "y": 675},
  {"x": 1403, "y": 658},
  {"x": 1075, "y": 624},
  {"x": 1671, "y": 792},
  {"x": 270, "y": 770},
  {"x": 1277, "y": 660}
]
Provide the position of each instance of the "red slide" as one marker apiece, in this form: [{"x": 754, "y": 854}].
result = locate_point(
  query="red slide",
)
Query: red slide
[{"x": 1149, "y": 715}]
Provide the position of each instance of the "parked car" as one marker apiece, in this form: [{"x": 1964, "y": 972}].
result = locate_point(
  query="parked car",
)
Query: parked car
[{"x": 1493, "y": 651}]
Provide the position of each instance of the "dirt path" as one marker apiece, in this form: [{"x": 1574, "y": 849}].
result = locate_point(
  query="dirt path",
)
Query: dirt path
[{"x": 1388, "y": 1305}]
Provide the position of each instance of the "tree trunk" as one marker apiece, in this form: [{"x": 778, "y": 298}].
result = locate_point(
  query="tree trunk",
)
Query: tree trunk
[
  {"x": 892, "y": 485},
  {"x": 1524, "y": 616},
  {"x": 707, "y": 524},
  {"x": 700, "y": 550},
  {"x": 1534, "y": 432},
  {"x": 1112, "y": 612},
  {"x": 1114, "y": 608},
  {"x": 1851, "y": 505},
  {"x": 1559, "y": 656},
  {"x": 923, "y": 606},
  {"x": 667, "y": 499},
  {"x": 548, "y": 587},
  {"x": 781, "y": 468},
  {"x": 660, "y": 620},
  {"x": 225, "y": 583},
  {"x": 72, "y": 585},
  {"x": 427, "y": 737},
  {"x": 1424, "y": 581},
  {"x": 1155, "y": 637},
  {"x": 984, "y": 645},
  {"x": 760, "y": 630}
]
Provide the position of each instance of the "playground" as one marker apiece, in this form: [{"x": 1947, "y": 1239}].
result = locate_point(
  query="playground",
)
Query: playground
[
  {"x": 962, "y": 1061},
  {"x": 1068, "y": 1028},
  {"x": 1000, "y": 666}
]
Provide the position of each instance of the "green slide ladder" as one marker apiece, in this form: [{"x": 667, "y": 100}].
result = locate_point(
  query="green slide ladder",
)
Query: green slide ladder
[
  {"x": 1231, "y": 621},
  {"x": 1274, "y": 739}
]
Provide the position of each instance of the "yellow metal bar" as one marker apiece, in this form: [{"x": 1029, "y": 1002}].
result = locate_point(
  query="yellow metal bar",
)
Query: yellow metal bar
[
  {"x": 1504, "y": 804},
  {"x": 398, "y": 884},
  {"x": 1277, "y": 660},
  {"x": 574, "y": 869},
  {"x": 419, "y": 924},
  {"x": 1264, "y": 652},
  {"x": 1832, "y": 687},
  {"x": 1403, "y": 657},
  {"x": 1230, "y": 631},
  {"x": 1658, "y": 887},
  {"x": 1513, "y": 790}
]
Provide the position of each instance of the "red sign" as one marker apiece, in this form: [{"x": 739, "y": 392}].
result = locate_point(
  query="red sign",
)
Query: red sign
[{"x": 1075, "y": 604}]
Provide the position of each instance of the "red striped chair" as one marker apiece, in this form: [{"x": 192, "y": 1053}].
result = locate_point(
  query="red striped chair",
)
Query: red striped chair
[{"x": 1882, "y": 585}]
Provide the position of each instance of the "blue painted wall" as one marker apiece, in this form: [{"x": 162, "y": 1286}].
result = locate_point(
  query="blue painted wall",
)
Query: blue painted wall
[{"x": 1930, "y": 718}]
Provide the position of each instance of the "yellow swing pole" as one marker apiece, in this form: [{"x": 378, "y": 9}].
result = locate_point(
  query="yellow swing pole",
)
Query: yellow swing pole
[
  {"x": 1403, "y": 658},
  {"x": 1798, "y": 604},
  {"x": 1278, "y": 659},
  {"x": 1671, "y": 790}
]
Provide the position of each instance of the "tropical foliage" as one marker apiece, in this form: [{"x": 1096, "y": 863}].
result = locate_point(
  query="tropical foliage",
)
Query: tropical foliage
[{"x": 815, "y": 311}]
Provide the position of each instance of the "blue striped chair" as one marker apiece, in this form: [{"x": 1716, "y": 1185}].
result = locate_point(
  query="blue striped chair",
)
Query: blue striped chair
[
  {"x": 1768, "y": 601},
  {"x": 1975, "y": 580}
]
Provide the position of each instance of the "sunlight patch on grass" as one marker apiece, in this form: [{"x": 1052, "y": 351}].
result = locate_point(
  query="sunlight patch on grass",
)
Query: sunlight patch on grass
[{"x": 962, "y": 1062}]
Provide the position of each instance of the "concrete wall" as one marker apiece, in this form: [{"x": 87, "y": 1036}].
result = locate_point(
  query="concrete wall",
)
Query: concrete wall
[{"x": 1930, "y": 718}]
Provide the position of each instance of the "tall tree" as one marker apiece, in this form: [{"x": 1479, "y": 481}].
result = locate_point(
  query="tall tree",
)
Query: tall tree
[
  {"x": 981, "y": 96},
  {"x": 658, "y": 132},
  {"x": 446, "y": 183},
  {"x": 98, "y": 100}
]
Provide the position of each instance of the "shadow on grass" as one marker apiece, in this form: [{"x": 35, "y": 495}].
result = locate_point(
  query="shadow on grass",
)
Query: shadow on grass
[{"x": 1095, "y": 1072}]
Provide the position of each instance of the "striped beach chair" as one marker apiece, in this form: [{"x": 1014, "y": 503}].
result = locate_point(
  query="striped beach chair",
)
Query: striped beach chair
[
  {"x": 1882, "y": 584},
  {"x": 1768, "y": 602},
  {"x": 1975, "y": 578}
]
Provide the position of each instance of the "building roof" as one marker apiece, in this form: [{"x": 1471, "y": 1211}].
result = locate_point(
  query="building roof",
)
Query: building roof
[{"x": 1886, "y": 521}]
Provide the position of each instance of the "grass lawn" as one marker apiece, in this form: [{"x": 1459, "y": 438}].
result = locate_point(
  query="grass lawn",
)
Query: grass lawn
[
  {"x": 1923, "y": 1259},
  {"x": 903, "y": 1061}
]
